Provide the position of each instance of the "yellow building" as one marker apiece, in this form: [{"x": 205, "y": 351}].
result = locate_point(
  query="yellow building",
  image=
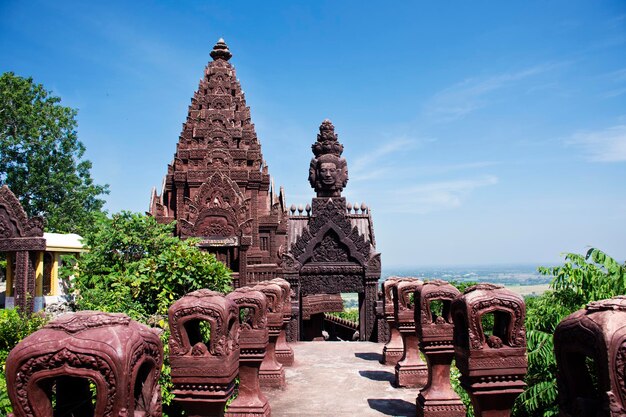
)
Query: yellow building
[{"x": 49, "y": 288}]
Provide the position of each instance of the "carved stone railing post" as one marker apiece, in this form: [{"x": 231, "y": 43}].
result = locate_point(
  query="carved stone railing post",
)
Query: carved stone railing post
[
  {"x": 435, "y": 332},
  {"x": 253, "y": 341},
  {"x": 284, "y": 353},
  {"x": 594, "y": 335},
  {"x": 272, "y": 372},
  {"x": 393, "y": 349},
  {"x": 411, "y": 371},
  {"x": 492, "y": 366},
  {"x": 204, "y": 366},
  {"x": 62, "y": 363}
]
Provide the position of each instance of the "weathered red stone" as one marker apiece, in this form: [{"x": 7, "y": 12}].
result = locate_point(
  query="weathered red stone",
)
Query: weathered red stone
[
  {"x": 594, "y": 335},
  {"x": 435, "y": 333},
  {"x": 393, "y": 349},
  {"x": 56, "y": 364},
  {"x": 284, "y": 353},
  {"x": 204, "y": 369},
  {"x": 253, "y": 341},
  {"x": 492, "y": 366},
  {"x": 411, "y": 371},
  {"x": 272, "y": 372},
  {"x": 218, "y": 187}
]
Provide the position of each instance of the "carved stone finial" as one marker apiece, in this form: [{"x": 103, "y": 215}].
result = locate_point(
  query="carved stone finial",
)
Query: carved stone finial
[
  {"x": 328, "y": 172},
  {"x": 327, "y": 141},
  {"x": 220, "y": 51}
]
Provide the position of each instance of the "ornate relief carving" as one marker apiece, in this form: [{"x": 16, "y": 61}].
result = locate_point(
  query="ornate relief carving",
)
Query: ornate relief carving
[{"x": 330, "y": 249}]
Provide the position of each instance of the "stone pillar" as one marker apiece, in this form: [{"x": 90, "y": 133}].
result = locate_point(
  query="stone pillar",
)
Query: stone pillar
[
  {"x": 272, "y": 373},
  {"x": 597, "y": 333},
  {"x": 393, "y": 349},
  {"x": 24, "y": 282},
  {"x": 253, "y": 342},
  {"x": 204, "y": 371},
  {"x": 435, "y": 332},
  {"x": 411, "y": 371},
  {"x": 371, "y": 292},
  {"x": 293, "y": 327},
  {"x": 492, "y": 366},
  {"x": 284, "y": 353},
  {"x": 121, "y": 357}
]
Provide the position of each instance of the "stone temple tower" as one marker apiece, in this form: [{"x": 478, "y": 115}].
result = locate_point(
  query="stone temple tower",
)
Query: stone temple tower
[{"x": 218, "y": 187}]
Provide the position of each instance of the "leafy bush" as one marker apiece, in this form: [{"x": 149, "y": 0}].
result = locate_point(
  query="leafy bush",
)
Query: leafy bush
[{"x": 14, "y": 327}]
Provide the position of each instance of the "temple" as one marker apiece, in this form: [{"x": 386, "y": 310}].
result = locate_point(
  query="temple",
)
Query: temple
[{"x": 218, "y": 187}]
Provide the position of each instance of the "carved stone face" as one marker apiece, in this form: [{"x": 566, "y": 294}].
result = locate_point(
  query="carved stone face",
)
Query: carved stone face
[{"x": 328, "y": 173}]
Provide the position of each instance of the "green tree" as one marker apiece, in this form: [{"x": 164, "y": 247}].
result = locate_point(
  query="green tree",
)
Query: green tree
[
  {"x": 136, "y": 265},
  {"x": 580, "y": 280},
  {"x": 41, "y": 158}
]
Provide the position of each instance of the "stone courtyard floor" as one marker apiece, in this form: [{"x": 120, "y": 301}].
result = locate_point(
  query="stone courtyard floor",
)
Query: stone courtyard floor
[{"x": 340, "y": 379}]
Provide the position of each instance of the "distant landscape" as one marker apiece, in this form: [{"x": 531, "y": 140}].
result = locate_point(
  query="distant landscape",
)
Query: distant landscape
[{"x": 523, "y": 279}]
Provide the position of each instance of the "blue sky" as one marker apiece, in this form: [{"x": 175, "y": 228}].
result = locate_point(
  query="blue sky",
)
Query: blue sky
[{"x": 478, "y": 132}]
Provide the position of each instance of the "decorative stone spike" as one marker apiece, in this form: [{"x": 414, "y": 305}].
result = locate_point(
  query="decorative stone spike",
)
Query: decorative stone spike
[
  {"x": 363, "y": 207},
  {"x": 308, "y": 209},
  {"x": 284, "y": 353},
  {"x": 121, "y": 356},
  {"x": 411, "y": 371},
  {"x": 597, "y": 332},
  {"x": 253, "y": 341},
  {"x": 492, "y": 366},
  {"x": 204, "y": 371},
  {"x": 394, "y": 349},
  {"x": 349, "y": 207},
  {"x": 435, "y": 333},
  {"x": 292, "y": 209},
  {"x": 220, "y": 51},
  {"x": 272, "y": 373},
  {"x": 300, "y": 209}
]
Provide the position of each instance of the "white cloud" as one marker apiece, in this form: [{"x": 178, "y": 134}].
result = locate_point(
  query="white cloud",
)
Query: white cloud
[
  {"x": 361, "y": 168},
  {"x": 607, "y": 145},
  {"x": 472, "y": 94},
  {"x": 440, "y": 195}
]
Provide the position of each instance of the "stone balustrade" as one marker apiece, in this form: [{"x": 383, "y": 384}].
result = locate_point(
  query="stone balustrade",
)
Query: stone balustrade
[
  {"x": 272, "y": 372},
  {"x": 590, "y": 350},
  {"x": 105, "y": 364},
  {"x": 204, "y": 366},
  {"x": 253, "y": 341},
  {"x": 492, "y": 366},
  {"x": 284, "y": 353},
  {"x": 394, "y": 348},
  {"x": 86, "y": 364},
  {"x": 410, "y": 371},
  {"x": 435, "y": 332}
]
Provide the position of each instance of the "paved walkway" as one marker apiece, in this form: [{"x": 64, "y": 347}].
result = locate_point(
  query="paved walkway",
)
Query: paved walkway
[{"x": 340, "y": 379}]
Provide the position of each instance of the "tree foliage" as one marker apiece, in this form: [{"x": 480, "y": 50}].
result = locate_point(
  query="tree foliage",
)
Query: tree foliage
[
  {"x": 41, "y": 158},
  {"x": 136, "y": 265},
  {"x": 581, "y": 279}
]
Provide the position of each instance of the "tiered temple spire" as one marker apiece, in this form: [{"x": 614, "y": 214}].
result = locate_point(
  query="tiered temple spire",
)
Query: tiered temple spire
[{"x": 218, "y": 187}]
